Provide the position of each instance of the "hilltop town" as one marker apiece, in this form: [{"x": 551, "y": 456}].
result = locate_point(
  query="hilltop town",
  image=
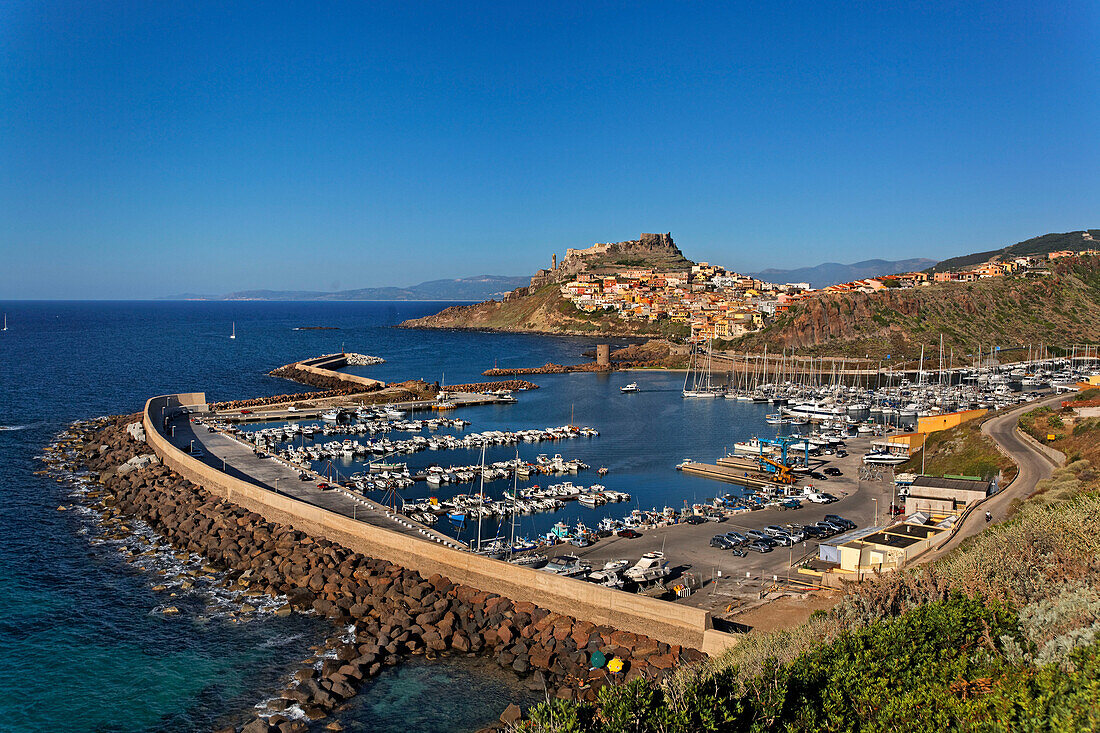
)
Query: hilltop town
[{"x": 646, "y": 287}]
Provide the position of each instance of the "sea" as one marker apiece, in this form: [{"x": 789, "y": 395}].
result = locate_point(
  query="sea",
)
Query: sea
[{"x": 84, "y": 646}]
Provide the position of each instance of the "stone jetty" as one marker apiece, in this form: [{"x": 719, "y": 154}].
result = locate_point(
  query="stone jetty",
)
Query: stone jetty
[{"x": 395, "y": 611}]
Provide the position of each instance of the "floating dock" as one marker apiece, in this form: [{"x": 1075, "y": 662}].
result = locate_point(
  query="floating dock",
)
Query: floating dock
[{"x": 742, "y": 476}]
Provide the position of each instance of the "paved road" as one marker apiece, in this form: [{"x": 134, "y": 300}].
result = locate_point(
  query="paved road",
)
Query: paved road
[
  {"x": 1033, "y": 464},
  {"x": 687, "y": 548}
]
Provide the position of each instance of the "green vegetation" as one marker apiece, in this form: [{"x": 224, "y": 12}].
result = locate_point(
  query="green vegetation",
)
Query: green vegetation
[
  {"x": 1063, "y": 307},
  {"x": 1002, "y": 634},
  {"x": 1035, "y": 246},
  {"x": 962, "y": 450}
]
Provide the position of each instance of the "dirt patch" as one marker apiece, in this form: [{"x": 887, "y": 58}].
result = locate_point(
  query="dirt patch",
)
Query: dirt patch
[{"x": 786, "y": 612}]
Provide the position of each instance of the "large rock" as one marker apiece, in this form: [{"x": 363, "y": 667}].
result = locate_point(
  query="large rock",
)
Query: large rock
[
  {"x": 136, "y": 431},
  {"x": 137, "y": 462}
]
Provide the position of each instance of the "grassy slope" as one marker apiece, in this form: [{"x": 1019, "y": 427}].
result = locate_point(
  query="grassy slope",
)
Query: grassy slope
[
  {"x": 963, "y": 450},
  {"x": 1060, "y": 309}
]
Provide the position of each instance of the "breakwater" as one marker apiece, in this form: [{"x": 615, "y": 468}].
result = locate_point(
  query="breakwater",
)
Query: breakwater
[
  {"x": 510, "y": 384},
  {"x": 394, "y": 611},
  {"x": 671, "y": 623},
  {"x": 321, "y": 372}
]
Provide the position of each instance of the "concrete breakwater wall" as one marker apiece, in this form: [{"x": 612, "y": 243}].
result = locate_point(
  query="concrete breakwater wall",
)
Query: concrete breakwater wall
[
  {"x": 394, "y": 611},
  {"x": 320, "y": 371},
  {"x": 668, "y": 622}
]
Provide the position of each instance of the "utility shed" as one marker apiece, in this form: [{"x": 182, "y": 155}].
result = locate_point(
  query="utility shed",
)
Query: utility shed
[{"x": 933, "y": 495}]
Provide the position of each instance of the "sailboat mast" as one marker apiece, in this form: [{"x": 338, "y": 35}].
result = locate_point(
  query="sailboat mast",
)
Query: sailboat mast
[
  {"x": 515, "y": 496},
  {"x": 481, "y": 498}
]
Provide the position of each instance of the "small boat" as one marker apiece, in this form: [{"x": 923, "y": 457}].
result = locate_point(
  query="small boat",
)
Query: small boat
[
  {"x": 529, "y": 561},
  {"x": 632, "y": 387},
  {"x": 330, "y": 416},
  {"x": 232, "y": 335},
  {"x": 5, "y": 322},
  {"x": 650, "y": 567}
]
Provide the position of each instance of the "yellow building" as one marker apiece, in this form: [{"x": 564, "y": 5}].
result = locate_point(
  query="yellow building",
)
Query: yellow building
[{"x": 935, "y": 423}]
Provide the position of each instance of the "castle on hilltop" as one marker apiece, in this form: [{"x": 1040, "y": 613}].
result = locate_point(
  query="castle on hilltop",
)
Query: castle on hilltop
[{"x": 649, "y": 250}]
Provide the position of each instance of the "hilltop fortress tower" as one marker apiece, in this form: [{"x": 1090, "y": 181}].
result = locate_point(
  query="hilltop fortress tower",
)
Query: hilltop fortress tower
[{"x": 649, "y": 250}]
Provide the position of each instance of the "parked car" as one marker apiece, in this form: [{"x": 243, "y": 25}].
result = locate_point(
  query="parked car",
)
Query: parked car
[
  {"x": 837, "y": 519},
  {"x": 836, "y": 528},
  {"x": 694, "y": 519},
  {"x": 760, "y": 546},
  {"x": 833, "y": 471},
  {"x": 773, "y": 529},
  {"x": 791, "y": 504},
  {"x": 322, "y": 486},
  {"x": 303, "y": 476},
  {"x": 818, "y": 476},
  {"x": 246, "y": 412},
  {"x": 756, "y": 535},
  {"x": 630, "y": 534},
  {"x": 783, "y": 540},
  {"x": 812, "y": 530},
  {"x": 721, "y": 542},
  {"x": 737, "y": 538},
  {"x": 714, "y": 517}
]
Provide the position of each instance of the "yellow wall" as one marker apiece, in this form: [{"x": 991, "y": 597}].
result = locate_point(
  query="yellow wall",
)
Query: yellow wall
[{"x": 936, "y": 423}]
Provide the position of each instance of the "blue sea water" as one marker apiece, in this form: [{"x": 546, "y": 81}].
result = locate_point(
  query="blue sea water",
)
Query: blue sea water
[{"x": 76, "y": 625}]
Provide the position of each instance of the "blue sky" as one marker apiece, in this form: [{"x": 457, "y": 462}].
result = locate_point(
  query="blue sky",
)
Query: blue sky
[{"x": 157, "y": 147}]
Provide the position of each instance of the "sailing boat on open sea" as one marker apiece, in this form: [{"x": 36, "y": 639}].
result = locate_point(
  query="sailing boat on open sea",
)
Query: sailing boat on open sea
[{"x": 233, "y": 335}]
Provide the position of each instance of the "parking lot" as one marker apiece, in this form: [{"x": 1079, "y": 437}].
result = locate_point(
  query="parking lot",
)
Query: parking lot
[{"x": 687, "y": 546}]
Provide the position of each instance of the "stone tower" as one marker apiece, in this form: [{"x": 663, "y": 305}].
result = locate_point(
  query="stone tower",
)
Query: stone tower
[{"x": 554, "y": 261}]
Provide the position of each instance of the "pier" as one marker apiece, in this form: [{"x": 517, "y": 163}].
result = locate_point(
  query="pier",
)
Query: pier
[{"x": 731, "y": 474}]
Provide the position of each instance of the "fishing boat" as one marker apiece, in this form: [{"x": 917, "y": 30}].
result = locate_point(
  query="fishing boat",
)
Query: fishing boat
[{"x": 330, "y": 415}]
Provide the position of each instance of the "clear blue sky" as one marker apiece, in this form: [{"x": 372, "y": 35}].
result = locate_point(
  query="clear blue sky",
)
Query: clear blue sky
[{"x": 158, "y": 147}]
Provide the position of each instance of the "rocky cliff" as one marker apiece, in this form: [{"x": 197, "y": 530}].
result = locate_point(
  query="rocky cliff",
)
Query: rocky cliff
[
  {"x": 540, "y": 308},
  {"x": 649, "y": 250},
  {"x": 539, "y": 311}
]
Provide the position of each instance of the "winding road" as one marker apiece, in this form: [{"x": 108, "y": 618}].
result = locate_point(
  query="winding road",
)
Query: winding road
[{"x": 1034, "y": 462}]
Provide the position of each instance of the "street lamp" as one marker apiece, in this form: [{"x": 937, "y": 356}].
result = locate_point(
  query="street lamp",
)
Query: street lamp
[{"x": 876, "y": 510}]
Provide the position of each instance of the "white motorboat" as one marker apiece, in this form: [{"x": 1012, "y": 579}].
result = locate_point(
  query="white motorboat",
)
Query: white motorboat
[
  {"x": 650, "y": 567},
  {"x": 632, "y": 387},
  {"x": 884, "y": 458},
  {"x": 330, "y": 415}
]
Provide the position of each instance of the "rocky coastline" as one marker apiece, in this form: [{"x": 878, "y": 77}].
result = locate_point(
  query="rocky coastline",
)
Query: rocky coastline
[{"x": 382, "y": 612}]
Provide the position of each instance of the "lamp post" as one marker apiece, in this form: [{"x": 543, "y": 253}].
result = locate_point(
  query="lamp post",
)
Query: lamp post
[
  {"x": 276, "y": 485},
  {"x": 876, "y": 511}
]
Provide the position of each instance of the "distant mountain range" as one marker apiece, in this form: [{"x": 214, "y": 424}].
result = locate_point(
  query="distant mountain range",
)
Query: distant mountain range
[
  {"x": 477, "y": 288},
  {"x": 831, "y": 273},
  {"x": 1041, "y": 245}
]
